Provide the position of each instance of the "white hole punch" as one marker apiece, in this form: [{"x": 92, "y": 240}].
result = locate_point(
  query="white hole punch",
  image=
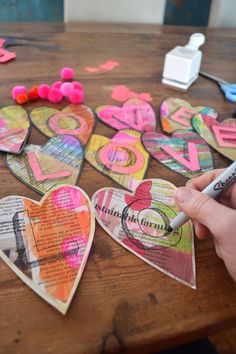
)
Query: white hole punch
[{"x": 182, "y": 64}]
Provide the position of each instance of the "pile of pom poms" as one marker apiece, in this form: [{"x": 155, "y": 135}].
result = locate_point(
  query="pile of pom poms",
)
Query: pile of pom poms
[{"x": 72, "y": 90}]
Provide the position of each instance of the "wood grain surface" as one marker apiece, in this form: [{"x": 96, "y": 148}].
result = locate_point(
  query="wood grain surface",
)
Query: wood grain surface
[{"x": 122, "y": 305}]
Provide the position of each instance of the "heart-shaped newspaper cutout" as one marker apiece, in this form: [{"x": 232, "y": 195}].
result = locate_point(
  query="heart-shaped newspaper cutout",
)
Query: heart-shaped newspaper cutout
[
  {"x": 139, "y": 222},
  {"x": 122, "y": 158},
  {"x": 14, "y": 128},
  {"x": 42, "y": 168},
  {"x": 134, "y": 114},
  {"x": 47, "y": 243},
  {"x": 184, "y": 152},
  {"x": 76, "y": 120},
  {"x": 220, "y": 135},
  {"x": 177, "y": 114}
]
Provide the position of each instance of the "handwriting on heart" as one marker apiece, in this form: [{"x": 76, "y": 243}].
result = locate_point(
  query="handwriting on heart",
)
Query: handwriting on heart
[
  {"x": 134, "y": 114},
  {"x": 107, "y": 66},
  {"x": 122, "y": 158},
  {"x": 221, "y": 136},
  {"x": 76, "y": 120},
  {"x": 138, "y": 222},
  {"x": 184, "y": 152},
  {"x": 60, "y": 161},
  {"x": 14, "y": 128},
  {"x": 47, "y": 244},
  {"x": 122, "y": 93},
  {"x": 177, "y": 114}
]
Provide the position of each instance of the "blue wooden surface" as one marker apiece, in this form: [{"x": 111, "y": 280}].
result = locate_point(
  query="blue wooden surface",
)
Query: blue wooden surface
[
  {"x": 187, "y": 12},
  {"x": 31, "y": 10}
]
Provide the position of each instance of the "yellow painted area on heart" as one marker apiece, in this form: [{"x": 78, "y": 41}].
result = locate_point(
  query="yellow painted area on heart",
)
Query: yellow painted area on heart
[
  {"x": 76, "y": 120},
  {"x": 14, "y": 117},
  {"x": 106, "y": 156}
]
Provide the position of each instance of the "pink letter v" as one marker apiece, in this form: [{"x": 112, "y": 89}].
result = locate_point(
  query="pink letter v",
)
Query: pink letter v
[{"x": 192, "y": 164}]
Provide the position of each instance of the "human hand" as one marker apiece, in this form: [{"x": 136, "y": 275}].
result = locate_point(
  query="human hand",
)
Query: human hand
[{"x": 212, "y": 217}]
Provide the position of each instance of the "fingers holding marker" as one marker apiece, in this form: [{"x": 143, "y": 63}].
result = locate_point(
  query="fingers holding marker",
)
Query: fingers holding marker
[
  {"x": 205, "y": 210},
  {"x": 199, "y": 183}
]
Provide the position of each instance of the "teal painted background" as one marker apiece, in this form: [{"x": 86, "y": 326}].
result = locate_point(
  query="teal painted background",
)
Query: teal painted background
[
  {"x": 177, "y": 12},
  {"x": 31, "y": 10},
  {"x": 187, "y": 12}
]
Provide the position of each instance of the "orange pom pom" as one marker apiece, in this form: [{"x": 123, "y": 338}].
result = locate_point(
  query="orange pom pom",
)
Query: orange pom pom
[
  {"x": 33, "y": 93},
  {"x": 22, "y": 98}
]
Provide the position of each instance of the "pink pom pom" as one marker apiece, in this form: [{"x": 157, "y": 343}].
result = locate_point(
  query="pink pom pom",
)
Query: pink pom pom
[
  {"x": 77, "y": 85},
  {"x": 57, "y": 84},
  {"x": 66, "y": 88},
  {"x": 67, "y": 73},
  {"x": 55, "y": 95},
  {"x": 76, "y": 97},
  {"x": 43, "y": 91},
  {"x": 17, "y": 90}
]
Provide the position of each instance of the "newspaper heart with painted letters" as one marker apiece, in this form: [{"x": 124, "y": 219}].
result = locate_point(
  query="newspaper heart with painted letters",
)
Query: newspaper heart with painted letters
[
  {"x": 220, "y": 135},
  {"x": 47, "y": 243},
  {"x": 122, "y": 158},
  {"x": 14, "y": 128},
  {"x": 183, "y": 152},
  {"x": 76, "y": 120},
  {"x": 41, "y": 168},
  {"x": 134, "y": 114},
  {"x": 139, "y": 220},
  {"x": 177, "y": 114}
]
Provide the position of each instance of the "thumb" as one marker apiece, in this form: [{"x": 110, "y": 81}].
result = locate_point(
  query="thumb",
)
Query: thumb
[{"x": 202, "y": 208}]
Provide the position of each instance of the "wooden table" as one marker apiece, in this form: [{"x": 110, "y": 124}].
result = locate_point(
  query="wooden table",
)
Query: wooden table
[{"x": 122, "y": 304}]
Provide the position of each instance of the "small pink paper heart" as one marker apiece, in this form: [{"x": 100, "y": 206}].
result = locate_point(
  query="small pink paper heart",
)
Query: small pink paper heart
[
  {"x": 145, "y": 96},
  {"x": 107, "y": 66},
  {"x": 92, "y": 69},
  {"x": 2, "y": 41},
  {"x": 122, "y": 93}
]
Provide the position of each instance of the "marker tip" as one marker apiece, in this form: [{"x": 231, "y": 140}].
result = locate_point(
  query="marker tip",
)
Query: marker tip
[{"x": 168, "y": 231}]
